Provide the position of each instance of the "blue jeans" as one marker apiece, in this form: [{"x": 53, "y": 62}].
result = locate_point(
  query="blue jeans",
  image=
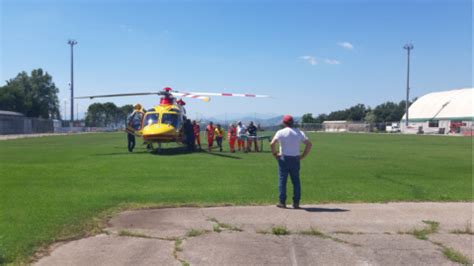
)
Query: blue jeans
[
  {"x": 289, "y": 165},
  {"x": 219, "y": 142}
]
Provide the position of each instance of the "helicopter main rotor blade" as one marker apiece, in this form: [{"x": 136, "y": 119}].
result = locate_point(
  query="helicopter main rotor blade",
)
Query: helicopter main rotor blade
[
  {"x": 190, "y": 95},
  {"x": 194, "y": 95},
  {"x": 119, "y": 95},
  {"x": 224, "y": 94}
]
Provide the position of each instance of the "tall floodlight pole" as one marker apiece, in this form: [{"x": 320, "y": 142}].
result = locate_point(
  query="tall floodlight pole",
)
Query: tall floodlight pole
[
  {"x": 407, "y": 47},
  {"x": 65, "y": 109},
  {"x": 72, "y": 43}
]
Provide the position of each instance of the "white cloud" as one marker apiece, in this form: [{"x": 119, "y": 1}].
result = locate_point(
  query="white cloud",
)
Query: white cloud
[
  {"x": 310, "y": 59},
  {"x": 332, "y": 61},
  {"x": 346, "y": 45}
]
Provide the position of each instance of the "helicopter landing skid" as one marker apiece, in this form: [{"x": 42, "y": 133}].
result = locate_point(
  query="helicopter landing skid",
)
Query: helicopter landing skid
[{"x": 151, "y": 148}]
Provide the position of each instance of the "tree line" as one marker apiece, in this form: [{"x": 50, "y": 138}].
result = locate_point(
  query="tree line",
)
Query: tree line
[
  {"x": 34, "y": 95},
  {"x": 385, "y": 112},
  {"x": 107, "y": 114}
]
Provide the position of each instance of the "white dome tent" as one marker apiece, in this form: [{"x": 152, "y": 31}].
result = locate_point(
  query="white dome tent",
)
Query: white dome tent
[{"x": 445, "y": 112}]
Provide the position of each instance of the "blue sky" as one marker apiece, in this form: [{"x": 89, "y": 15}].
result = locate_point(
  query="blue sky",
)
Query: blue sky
[{"x": 311, "y": 56}]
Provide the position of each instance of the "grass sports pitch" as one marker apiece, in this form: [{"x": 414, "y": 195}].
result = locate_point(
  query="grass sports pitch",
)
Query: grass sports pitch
[{"x": 58, "y": 187}]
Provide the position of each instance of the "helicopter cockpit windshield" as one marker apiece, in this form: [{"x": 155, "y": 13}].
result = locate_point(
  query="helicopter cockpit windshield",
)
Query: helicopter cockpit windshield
[
  {"x": 150, "y": 119},
  {"x": 170, "y": 119}
]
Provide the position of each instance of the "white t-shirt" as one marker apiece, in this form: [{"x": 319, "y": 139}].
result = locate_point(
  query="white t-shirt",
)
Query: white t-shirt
[
  {"x": 290, "y": 140},
  {"x": 241, "y": 130}
]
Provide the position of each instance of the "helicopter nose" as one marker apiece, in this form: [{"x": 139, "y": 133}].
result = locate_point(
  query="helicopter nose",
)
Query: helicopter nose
[
  {"x": 159, "y": 132},
  {"x": 159, "y": 129}
]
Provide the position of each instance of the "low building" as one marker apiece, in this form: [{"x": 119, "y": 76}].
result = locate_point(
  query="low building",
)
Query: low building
[
  {"x": 346, "y": 126},
  {"x": 17, "y": 123},
  {"x": 11, "y": 122},
  {"x": 445, "y": 112}
]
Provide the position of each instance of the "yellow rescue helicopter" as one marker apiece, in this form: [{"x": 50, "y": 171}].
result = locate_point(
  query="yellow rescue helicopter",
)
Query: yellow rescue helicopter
[{"x": 163, "y": 123}]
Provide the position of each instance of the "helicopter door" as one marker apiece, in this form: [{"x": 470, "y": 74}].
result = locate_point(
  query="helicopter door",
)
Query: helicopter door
[{"x": 134, "y": 123}]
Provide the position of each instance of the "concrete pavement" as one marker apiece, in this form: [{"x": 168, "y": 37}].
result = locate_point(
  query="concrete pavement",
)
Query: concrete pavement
[{"x": 327, "y": 234}]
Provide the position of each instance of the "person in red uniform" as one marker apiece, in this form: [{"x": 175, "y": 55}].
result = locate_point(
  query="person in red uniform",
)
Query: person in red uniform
[
  {"x": 232, "y": 136},
  {"x": 210, "y": 135},
  {"x": 197, "y": 132}
]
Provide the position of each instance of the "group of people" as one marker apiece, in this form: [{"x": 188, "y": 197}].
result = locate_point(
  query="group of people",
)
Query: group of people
[
  {"x": 238, "y": 133},
  {"x": 288, "y": 139}
]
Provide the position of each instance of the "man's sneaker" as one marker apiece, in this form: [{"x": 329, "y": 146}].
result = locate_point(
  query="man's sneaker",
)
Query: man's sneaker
[
  {"x": 296, "y": 206},
  {"x": 281, "y": 205}
]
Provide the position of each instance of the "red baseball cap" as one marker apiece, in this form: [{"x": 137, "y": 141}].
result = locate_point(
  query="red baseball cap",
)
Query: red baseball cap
[{"x": 287, "y": 119}]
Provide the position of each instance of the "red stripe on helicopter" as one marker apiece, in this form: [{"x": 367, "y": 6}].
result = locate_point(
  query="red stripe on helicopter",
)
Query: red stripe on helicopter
[
  {"x": 249, "y": 95},
  {"x": 226, "y": 94}
]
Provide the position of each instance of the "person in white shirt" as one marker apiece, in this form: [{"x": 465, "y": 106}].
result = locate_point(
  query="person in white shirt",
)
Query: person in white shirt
[
  {"x": 241, "y": 136},
  {"x": 289, "y": 159}
]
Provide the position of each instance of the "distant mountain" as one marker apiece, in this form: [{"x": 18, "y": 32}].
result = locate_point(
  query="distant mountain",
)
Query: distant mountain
[
  {"x": 243, "y": 116},
  {"x": 262, "y": 120}
]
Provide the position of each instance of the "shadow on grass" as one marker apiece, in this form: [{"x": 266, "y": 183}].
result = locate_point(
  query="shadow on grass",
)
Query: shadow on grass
[
  {"x": 323, "y": 209},
  {"x": 121, "y": 153},
  {"x": 184, "y": 150},
  {"x": 259, "y": 152},
  {"x": 219, "y": 154},
  {"x": 171, "y": 151},
  {"x": 121, "y": 147}
]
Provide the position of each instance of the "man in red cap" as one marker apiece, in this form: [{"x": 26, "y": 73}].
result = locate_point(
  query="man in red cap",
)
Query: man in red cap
[{"x": 289, "y": 159}]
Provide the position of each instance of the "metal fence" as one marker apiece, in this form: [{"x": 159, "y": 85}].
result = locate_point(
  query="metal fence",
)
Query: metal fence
[
  {"x": 24, "y": 125},
  {"x": 336, "y": 127},
  {"x": 85, "y": 129}
]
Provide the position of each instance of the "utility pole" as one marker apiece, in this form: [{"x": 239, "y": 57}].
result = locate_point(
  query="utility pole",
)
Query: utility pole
[
  {"x": 72, "y": 42},
  {"x": 77, "y": 111},
  {"x": 407, "y": 47},
  {"x": 65, "y": 109}
]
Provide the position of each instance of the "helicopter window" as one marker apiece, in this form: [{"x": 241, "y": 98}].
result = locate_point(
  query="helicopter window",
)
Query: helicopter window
[
  {"x": 135, "y": 120},
  {"x": 151, "y": 119},
  {"x": 170, "y": 119}
]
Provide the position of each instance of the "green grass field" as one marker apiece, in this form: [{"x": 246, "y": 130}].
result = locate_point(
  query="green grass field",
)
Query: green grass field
[{"x": 53, "y": 187}]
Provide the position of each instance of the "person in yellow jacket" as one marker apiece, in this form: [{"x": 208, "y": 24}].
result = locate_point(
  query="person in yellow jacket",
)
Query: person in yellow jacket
[{"x": 219, "y": 132}]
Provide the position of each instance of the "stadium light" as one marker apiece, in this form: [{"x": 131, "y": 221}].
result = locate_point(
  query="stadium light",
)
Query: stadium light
[
  {"x": 407, "y": 47},
  {"x": 65, "y": 109},
  {"x": 72, "y": 42}
]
